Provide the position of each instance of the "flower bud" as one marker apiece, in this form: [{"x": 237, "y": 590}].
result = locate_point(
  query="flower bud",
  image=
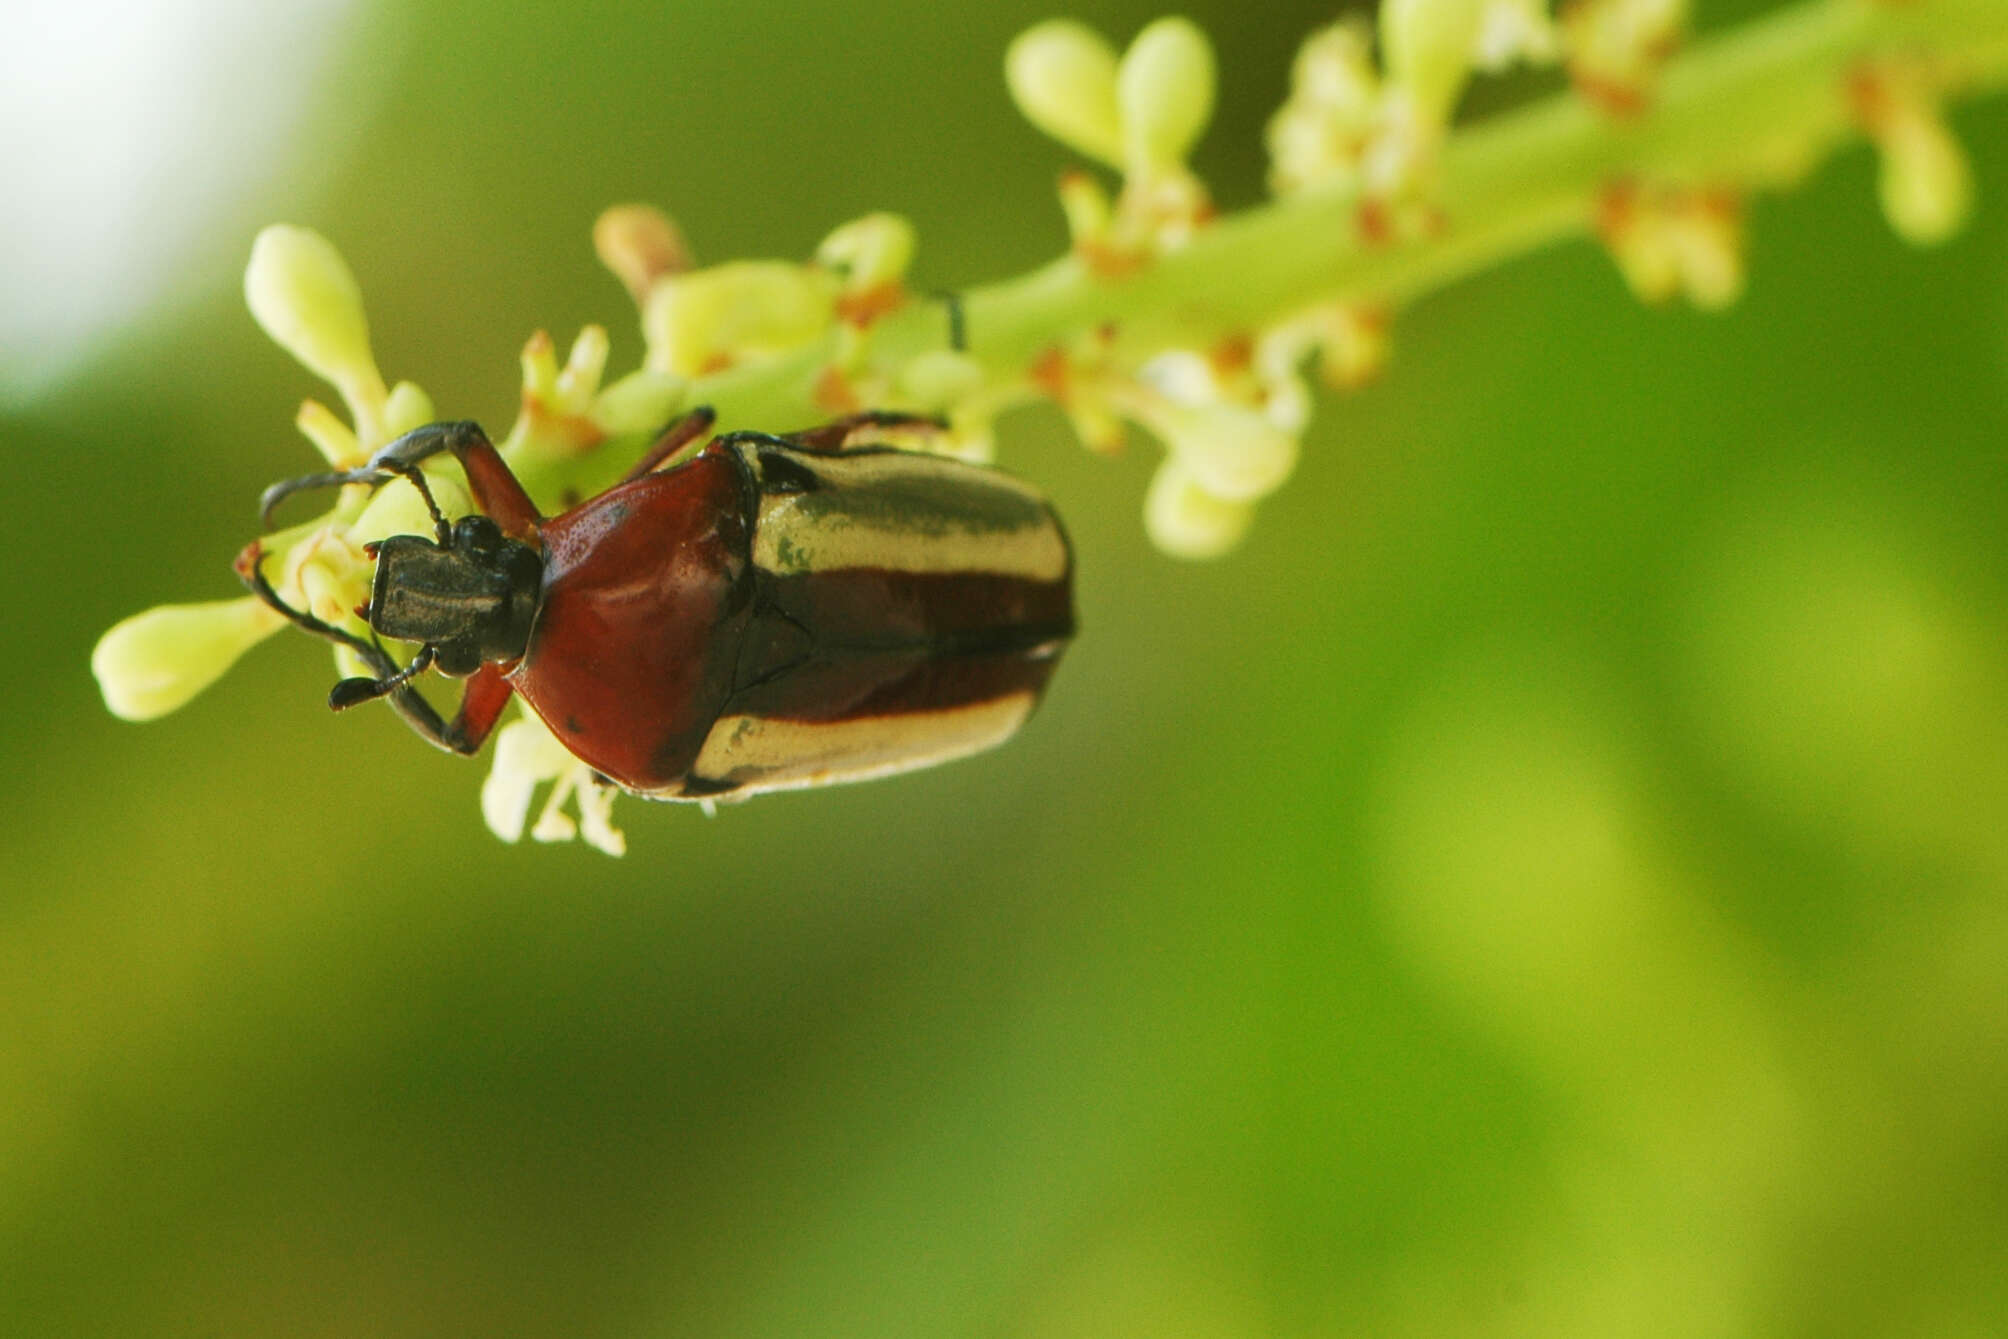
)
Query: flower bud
[
  {"x": 1234, "y": 453},
  {"x": 301, "y": 291},
  {"x": 1925, "y": 182},
  {"x": 152, "y": 663},
  {"x": 1616, "y": 48},
  {"x": 1515, "y": 29},
  {"x": 1085, "y": 205},
  {"x": 539, "y": 361},
  {"x": 1353, "y": 345},
  {"x": 1062, "y": 75},
  {"x": 640, "y": 244},
  {"x": 1708, "y": 237},
  {"x": 407, "y": 407},
  {"x": 1321, "y": 133},
  {"x": 870, "y": 251},
  {"x": 1164, "y": 95},
  {"x": 641, "y": 401},
  {"x": 709, "y": 319},
  {"x": 1099, "y": 427},
  {"x": 327, "y": 573},
  {"x": 334, "y": 439},
  {"x": 1186, "y": 521},
  {"x": 1427, "y": 46},
  {"x": 579, "y": 380},
  {"x": 939, "y": 378}
]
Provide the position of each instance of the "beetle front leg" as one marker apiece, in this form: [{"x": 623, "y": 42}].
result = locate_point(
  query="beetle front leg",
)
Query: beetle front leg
[
  {"x": 495, "y": 488},
  {"x": 480, "y": 707}
]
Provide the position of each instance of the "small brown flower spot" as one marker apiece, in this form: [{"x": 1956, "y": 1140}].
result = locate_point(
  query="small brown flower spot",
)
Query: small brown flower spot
[
  {"x": 1106, "y": 261},
  {"x": 833, "y": 393},
  {"x": 865, "y": 306},
  {"x": 1232, "y": 355},
  {"x": 1049, "y": 373},
  {"x": 1622, "y": 101},
  {"x": 1374, "y": 222}
]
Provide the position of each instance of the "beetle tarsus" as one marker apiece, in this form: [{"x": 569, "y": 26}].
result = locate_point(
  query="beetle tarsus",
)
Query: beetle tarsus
[{"x": 354, "y": 692}]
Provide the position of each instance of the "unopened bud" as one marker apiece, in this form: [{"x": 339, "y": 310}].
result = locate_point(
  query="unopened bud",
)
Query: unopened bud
[
  {"x": 641, "y": 401},
  {"x": 712, "y": 318},
  {"x": 1164, "y": 92},
  {"x": 1062, "y": 75},
  {"x": 640, "y": 244},
  {"x": 1926, "y": 182},
  {"x": 1427, "y": 47},
  {"x": 302, "y": 292},
  {"x": 870, "y": 251},
  {"x": 152, "y": 663},
  {"x": 1185, "y": 520}
]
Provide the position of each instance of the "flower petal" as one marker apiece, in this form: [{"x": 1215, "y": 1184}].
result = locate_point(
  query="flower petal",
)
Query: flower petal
[{"x": 152, "y": 663}]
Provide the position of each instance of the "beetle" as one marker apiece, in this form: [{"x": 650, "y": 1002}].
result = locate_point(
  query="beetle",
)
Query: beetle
[{"x": 773, "y": 612}]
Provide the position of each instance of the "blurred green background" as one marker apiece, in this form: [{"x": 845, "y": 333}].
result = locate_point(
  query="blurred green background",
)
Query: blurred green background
[{"x": 1553, "y": 880}]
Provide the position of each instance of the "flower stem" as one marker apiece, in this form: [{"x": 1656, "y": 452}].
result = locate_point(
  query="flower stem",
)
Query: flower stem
[{"x": 1754, "y": 107}]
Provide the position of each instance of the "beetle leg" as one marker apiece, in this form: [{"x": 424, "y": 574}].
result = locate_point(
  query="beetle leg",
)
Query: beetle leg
[
  {"x": 354, "y": 692},
  {"x": 674, "y": 438},
  {"x": 495, "y": 488},
  {"x": 405, "y": 700},
  {"x": 829, "y": 438},
  {"x": 480, "y": 707}
]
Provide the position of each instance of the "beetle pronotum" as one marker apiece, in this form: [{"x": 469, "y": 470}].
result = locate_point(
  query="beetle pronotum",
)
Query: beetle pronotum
[{"x": 775, "y": 611}]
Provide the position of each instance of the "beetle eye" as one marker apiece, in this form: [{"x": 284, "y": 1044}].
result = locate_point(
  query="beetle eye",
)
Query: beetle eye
[
  {"x": 457, "y": 660},
  {"x": 477, "y": 533}
]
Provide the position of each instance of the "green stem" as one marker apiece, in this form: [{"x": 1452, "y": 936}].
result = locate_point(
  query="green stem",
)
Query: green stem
[{"x": 1750, "y": 108}]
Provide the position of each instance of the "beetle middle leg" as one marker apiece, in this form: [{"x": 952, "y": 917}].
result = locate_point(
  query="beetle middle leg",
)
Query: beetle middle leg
[
  {"x": 829, "y": 438},
  {"x": 675, "y": 437}
]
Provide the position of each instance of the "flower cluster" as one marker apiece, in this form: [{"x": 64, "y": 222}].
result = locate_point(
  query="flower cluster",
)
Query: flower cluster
[{"x": 1365, "y": 165}]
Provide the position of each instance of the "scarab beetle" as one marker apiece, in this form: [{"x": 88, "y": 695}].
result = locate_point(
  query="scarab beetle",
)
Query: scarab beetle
[{"x": 774, "y": 611}]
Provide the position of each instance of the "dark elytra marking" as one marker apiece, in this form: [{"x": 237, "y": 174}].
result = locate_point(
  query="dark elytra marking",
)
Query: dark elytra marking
[
  {"x": 784, "y": 472},
  {"x": 930, "y": 502},
  {"x": 861, "y": 685},
  {"x": 876, "y": 608}
]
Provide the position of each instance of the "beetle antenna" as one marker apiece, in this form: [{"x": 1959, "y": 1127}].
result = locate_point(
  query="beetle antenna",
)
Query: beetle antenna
[
  {"x": 415, "y": 476},
  {"x": 269, "y": 500},
  {"x": 353, "y": 692}
]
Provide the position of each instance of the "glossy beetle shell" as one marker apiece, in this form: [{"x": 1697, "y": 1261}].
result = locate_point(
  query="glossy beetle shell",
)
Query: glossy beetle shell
[{"x": 764, "y": 617}]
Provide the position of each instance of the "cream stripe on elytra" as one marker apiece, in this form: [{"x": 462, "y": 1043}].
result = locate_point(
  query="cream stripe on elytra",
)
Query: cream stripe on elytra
[
  {"x": 900, "y": 512},
  {"x": 757, "y": 753}
]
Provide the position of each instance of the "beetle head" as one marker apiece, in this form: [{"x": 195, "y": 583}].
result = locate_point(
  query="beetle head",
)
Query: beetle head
[{"x": 472, "y": 598}]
